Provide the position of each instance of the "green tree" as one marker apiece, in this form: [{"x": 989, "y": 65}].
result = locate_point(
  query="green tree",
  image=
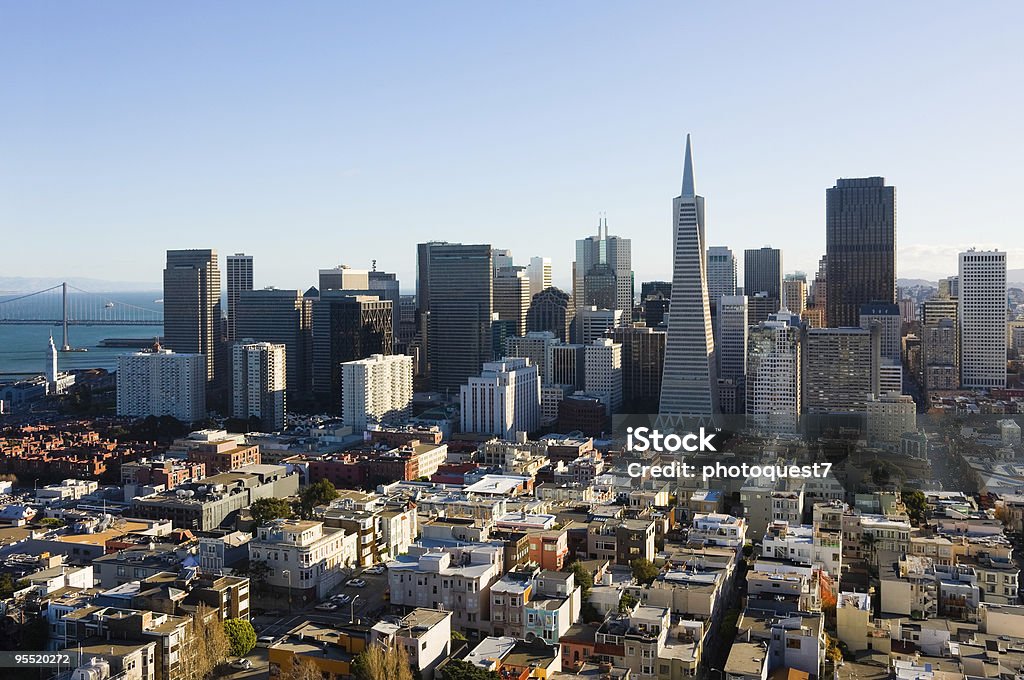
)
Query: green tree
[
  {"x": 266, "y": 509},
  {"x": 241, "y": 636},
  {"x": 627, "y": 602},
  {"x": 584, "y": 579},
  {"x": 916, "y": 503},
  {"x": 458, "y": 637},
  {"x": 51, "y": 522},
  {"x": 318, "y": 493},
  {"x": 644, "y": 571},
  {"x": 463, "y": 670}
]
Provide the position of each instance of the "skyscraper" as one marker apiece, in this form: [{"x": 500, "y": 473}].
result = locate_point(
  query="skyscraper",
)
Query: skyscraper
[
  {"x": 192, "y": 313},
  {"x": 762, "y": 273},
  {"x": 512, "y": 296},
  {"x": 239, "y": 270},
  {"x": 982, "y": 317},
  {"x": 603, "y": 372},
  {"x": 794, "y": 293},
  {"x": 689, "y": 384},
  {"x": 385, "y": 286},
  {"x": 722, "y": 278},
  {"x": 162, "y": 383},
  {"x": 603, "y": 274},
  {"x": 890, "y": 324},
  {"x": 539, "y": 273},
  {"x": 460, "y": 305},
  {"x": 840, "y": 369},
  {"x": 551, "y": 310},
  {"x": 344, "y": 277},
  {"x": 773, "y": 374},
  {"x": 643, "y": 363},
  {"x": 503, "y": 399},
  {"x": 346, "y": 328},
  {"x": 377, "y": 389},
  {"x": 731, "y": 343},
  {"x": 282, "y": 317},
  {"x": 258, "y": 383},
  {"x": 860, "y": 241}
]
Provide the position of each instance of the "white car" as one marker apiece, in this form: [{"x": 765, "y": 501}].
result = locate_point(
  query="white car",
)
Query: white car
[
  {"x": 376, "y": 569},
  {"x": 241, "y": 664},
  {"x": 326, "y": 607},
  {"x": 264, "y": 640}
]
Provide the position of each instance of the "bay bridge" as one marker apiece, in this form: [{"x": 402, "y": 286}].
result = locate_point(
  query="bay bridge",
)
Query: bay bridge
[{"x": 67, "y": 305}]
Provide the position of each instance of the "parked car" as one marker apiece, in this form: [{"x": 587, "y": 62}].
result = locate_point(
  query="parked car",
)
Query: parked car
[
  {"x": 376, "y": 569},
  {"x": 342, "y": 599},
  {"x": 264, "y": 640},
  {"x": 326, "y": 607},
  {"x": 356, "y": 583},
  {"x": 241, "y": 664}
]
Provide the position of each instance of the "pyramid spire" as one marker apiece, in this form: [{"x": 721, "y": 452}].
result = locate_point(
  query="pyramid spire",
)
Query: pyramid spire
[{"x": 688, "y": 190}]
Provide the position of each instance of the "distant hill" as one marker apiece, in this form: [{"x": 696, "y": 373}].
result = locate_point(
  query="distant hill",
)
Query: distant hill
[
  {"x": 25, "y": 284},
  {"x": 908, "y": 283}
]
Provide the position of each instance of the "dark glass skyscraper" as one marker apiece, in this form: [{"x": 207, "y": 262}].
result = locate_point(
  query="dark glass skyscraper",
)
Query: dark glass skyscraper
[
  {"x": 346, "y": 327},
  {"x": 860, "y": 241},
  {"x": 762, "y": 273},
  {"x": 192, "y": 312}
]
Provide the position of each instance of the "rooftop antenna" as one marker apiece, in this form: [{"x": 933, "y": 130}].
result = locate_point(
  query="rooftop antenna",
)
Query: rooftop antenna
[{"x": 374, "y": 265}]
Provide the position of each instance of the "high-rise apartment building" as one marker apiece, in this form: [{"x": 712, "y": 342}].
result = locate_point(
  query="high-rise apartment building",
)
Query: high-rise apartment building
[
  {"x": 689, "y": 384},
  {"x": 603, "y": 372},
  {"x": 860, "y": 239},
  {"x": 512, "y": 296},
  {"x": 773, "y": 374},
  {"x": 239, "y": 271},
  {"x": 643, "y": 363},
  {"x": 890, "y": 323},
  {"x": 258, "y": 383},
  {"x": 346, "y": 328},
  {"x": 721, "y": 265},
  {"x": 539, "y": 274},
  {"x": 940, "y": 361},
  {"x": 551, "y": 310},
  {"x": 603, "y": 273},
  {"x": 162, "y": 383},
  {"x": 376, "y": 390},
  {"x": 282, "y": 317},
  {"x": 192, "y": 312},
  {"x": 762, "y": 273},
  {"x": 982, "y": 315},
  {"x": 460, "y": 306},
  {"x": 840, "y": 369},
  {"x": 503, "y": 400}
]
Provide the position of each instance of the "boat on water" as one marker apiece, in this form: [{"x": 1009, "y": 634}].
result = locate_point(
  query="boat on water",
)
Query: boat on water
[
  {"x": 158, "y": 302},
  {"x": 108, "y": 305},
  {"x": 74, "y": 349}
]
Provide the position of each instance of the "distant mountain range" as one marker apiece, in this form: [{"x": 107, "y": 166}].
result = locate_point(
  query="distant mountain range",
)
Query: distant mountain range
[
  {"x": 1014, "y": 279},
  {"x": 24, "y": 284}
]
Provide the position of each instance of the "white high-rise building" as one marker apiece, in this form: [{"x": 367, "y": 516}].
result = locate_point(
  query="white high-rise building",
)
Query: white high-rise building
[
  {"x": 603, "y": 372},
  {"x": 539, "y": 273},
  {"x": 982, "y": 317},
  {"x": 593, "y": 322},
  {"x": 503, "y": 399},
  {"x": 721, "y": 264},
  {"x": 889, "y": 320},
  {"x": 773, "y": 374},
  {"x": 162, "y": 383},
  {"x": 376, "y": 390},
  {"x": 689, "y": 386},
  {"x": 239, "y": 270},
  {"x": 258, "y": 383}
]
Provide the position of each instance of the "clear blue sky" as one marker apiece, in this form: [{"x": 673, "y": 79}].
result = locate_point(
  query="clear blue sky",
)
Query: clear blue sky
[{"x": 311, "y": 134}]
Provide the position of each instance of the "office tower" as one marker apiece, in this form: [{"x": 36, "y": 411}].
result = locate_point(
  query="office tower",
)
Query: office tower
[
  {"x": 551, "y": 397},
  {"x": 551, "y": 310},
  {"x": 239, "y": 270},
  {"x": 656, "y": 289},
  {"x": 794, "y": 293},
  {"x": 603, "y": 372},
  {"x": 643, "y": 362},
  {"x": 539, "y": 274},
  {"x": 689, "y": 385},
  {"x": 282, "y": 317},
  {"x": 949, "y": 287},
  {"x": 192, "y": 314},
  {"x": 344, "y": 277},
  {"x": 890, "y": 323},
  {"x": 592, "y": 323},
  {"x": 406, "y": 319},
  {"x": 565, "y": 365},
  {"x": 817, "y": 297},
  {"x": 860, "y": 240},
  {"x": 258, "y": 383},
  {"x": 936, "y": 309},
  {"x": 533, "y": 346},
  {"x": 760, "y": 307},
  {"x": 840, "y": 369},
  {"x": 162, "y": 383},
  {"x": 722, "y": 279},
  {"x": 762, "y": 273},
  {"x": 512, "y": 296},
  {"x": 385, "y": 286},
  {"x": 731, "y": 344},
  {"x": 346, "y": 328},
  {"x": 654, "y": 311},
  {"x": 939, "y": 358},
  {"x": 982, "y": 315},
  {"x": 908, "y": 310},
  {"x": 501, "y": 258},
  {"x": 773, "y": 374},
  {"x": 503, "y": 400},
  {"x": 603, "y": 274},
  {"x": 376, "y": 390},
  {"x": 459, "y": 335}
]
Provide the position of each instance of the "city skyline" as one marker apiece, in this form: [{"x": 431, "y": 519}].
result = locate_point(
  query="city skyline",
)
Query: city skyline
[{"x": 230, "y": 156}]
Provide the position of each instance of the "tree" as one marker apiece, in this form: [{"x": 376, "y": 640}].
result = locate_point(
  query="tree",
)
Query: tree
[
  {"x": 51, "y": 522},
  {"x": 241, "y": 636},
  {"x": 318, "y": 493},
  {"x": 644, "y": 571},
  {"x": 916, "y": 504},
  {"x": 380, "y": 662},
  {"x": 206, "y": 643},
  {"x": 458, "y": 637},
  {"x": 584, "y": 579},
  {"x": 833, "y": 652},
  {"x": 265, "y": 509},
  {"x": 463, "y": 670},
  {"x": 627, "y": 602},
  {"x": 301, "y": 668},
  {"x": 259, "y": 572}
]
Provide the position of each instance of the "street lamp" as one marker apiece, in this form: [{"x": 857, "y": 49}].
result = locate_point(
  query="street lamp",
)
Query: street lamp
[
  {"x": 288, "y": 575},
  {"x": 351, "y": 609}
]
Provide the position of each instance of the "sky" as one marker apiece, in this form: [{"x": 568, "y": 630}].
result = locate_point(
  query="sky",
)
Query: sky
[{"x": 311, "y": 134}]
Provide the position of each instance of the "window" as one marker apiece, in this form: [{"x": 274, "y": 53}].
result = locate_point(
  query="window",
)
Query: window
[{"x": 793, "y": 643}]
